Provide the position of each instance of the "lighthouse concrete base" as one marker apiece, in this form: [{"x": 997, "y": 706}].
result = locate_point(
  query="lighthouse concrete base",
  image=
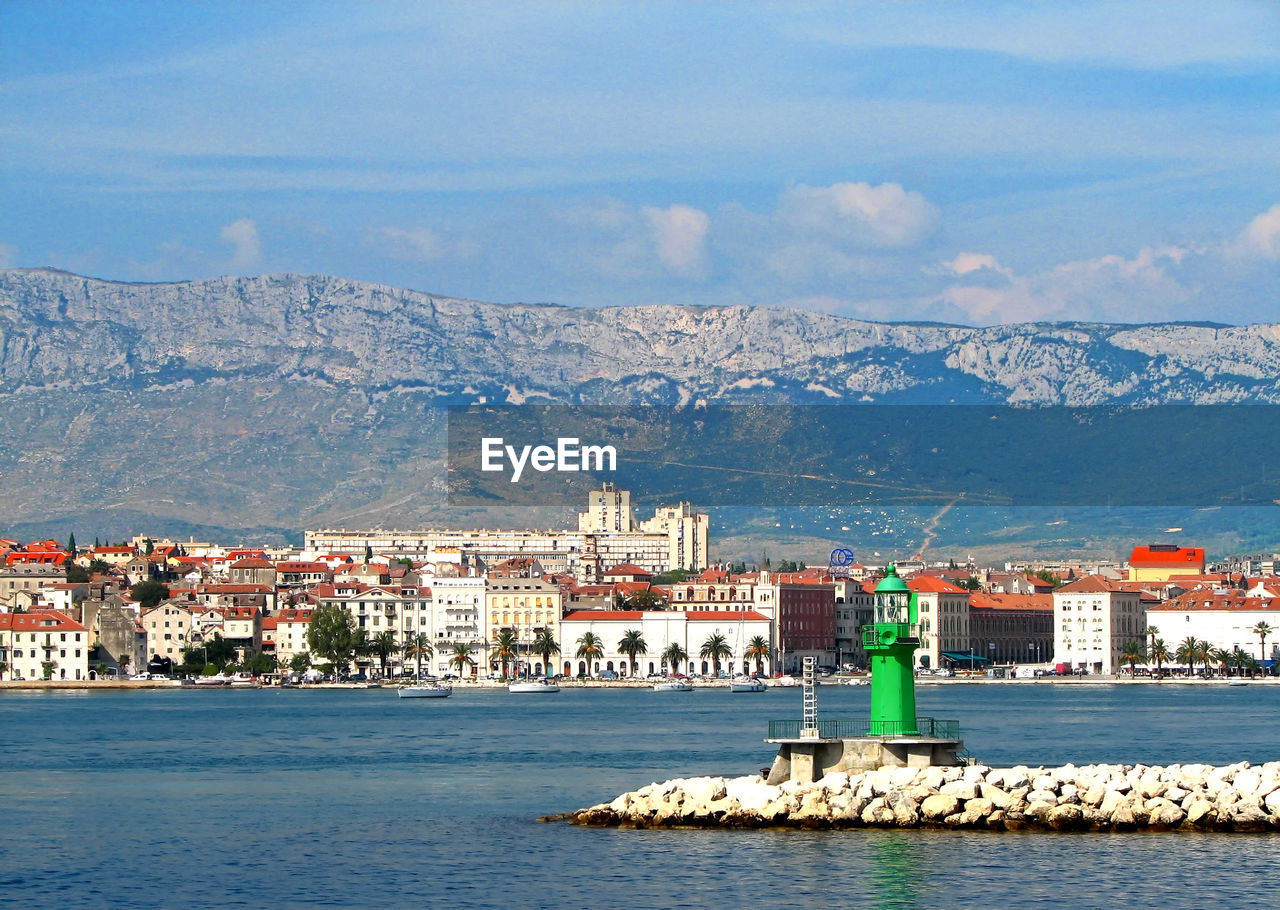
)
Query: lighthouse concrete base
[{"x": 809, "y": 760}]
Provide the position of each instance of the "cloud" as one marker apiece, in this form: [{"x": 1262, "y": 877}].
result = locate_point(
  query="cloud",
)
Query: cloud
[
  {"x": 246, "y": 246},
  {"x": 423, "y": 244},
  {"x": 679, "y": 235},
  {"x": 1107, "y": 288},
  {"x": 1261, "y": 237},
  {"x": 967, "y": 263},
  {"x": 885, "y": 216}
]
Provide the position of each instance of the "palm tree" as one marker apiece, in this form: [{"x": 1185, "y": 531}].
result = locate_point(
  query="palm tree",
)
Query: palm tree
[
  {"x": 715, "y": 649},
  {"x": 505, "y": 644},
  {"x": 631, "y": 644},
  {"x": 1132, "y": 653},
  {"x": 418, "y": 645},
  {"x": 1262, "y": 630},
  {"x": 672, "y": 655},
  {"x": 462, "y": 657},
  {"x": 1188, "y": 652},
  {"x": 1159, "y": 654},
  {"x": 544, "y": 645},
  {"x": 590, "y": 647},
  {"x": 384, "y": 644},
  {"x": 758, "y": 648},
  {"x": 1205, "y": 650}
]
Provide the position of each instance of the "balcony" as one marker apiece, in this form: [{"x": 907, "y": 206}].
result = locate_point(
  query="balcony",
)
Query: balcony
[{"x": 889, "y": 633}]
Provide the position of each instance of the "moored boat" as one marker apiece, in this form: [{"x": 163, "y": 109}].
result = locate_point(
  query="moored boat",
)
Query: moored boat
[
  {"x": 216, "y": 680},
  {"x": 424, "y": 690},
  {"x": 533, "y": 687},
  {"x": 673, "y": 685},
  {"x": 746, "y": 684}
]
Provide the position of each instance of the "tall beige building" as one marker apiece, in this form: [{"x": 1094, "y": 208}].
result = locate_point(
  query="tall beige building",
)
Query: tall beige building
[
  {"x": 687, "y": 532},
  {"x": 608, "y": 511}
]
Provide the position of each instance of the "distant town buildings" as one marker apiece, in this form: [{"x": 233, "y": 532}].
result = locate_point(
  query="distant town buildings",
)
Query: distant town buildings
[{"x": 476, "y": 602}]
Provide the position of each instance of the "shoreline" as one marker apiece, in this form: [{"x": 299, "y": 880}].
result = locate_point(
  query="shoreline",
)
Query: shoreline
[{"x": 109, "y": 684}]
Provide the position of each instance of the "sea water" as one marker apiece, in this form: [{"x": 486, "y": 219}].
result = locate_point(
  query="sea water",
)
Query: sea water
[{"x": 278, "y": 798}]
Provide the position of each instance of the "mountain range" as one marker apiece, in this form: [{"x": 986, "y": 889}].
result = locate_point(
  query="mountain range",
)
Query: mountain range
[{"x": 264, "y": 405}]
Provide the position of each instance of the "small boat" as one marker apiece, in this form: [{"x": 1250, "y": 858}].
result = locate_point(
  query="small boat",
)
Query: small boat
[
  {"x": 746, "y": 684},
  {"x": 533, "y": 687},
  {"x": 216, "y": 680},
  {"x": 424, "y": 690},
  {"x": 1237, "y": 682},
  {"x": 245, "y": 681},
  {"x": 786, "y": 682},
  {"x": 857, "y": 681},
  {"x": 673, "y": 685}
]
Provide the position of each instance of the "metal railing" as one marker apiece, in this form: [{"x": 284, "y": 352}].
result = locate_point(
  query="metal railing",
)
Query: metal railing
[
  {"x": 900, "y": 631},
  {"x": 935, "y": 728}
]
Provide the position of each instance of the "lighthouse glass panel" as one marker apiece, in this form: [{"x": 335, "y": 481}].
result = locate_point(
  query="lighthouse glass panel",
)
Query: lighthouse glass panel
[{"x": 892, "y": 607}]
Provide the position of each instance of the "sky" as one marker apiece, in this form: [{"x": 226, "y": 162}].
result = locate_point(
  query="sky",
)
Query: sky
[{"x": 973, "y": 163}]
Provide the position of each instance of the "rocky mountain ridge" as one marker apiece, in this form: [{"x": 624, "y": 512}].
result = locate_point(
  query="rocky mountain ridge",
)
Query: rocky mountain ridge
[
  {"x": 284, "y": 402},
  {"x": 60, "y": 331}
]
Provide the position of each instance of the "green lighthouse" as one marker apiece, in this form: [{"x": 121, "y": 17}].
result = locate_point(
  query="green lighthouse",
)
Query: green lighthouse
[{"x": 890, "y": 643}]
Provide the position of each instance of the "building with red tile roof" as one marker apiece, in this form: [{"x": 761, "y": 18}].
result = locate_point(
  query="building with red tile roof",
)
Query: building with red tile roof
[
  {"x": 44, "y": 643},
  {"x": 1156, "y": 562}
]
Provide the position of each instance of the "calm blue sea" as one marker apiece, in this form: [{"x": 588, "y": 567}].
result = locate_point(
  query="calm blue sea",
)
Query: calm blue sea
[{"x": 355, "y": 798}]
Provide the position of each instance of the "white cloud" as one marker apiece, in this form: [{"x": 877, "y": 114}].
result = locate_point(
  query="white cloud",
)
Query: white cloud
[
  {"x": 679, "y": 234},
  {"x": 1261, "y": 237},
  {"x": 886, "y": 215},
  {"x": 966, "y": 263},
  {"x": 246, "y": 246},
  {"x": 1106, "y": 288}
]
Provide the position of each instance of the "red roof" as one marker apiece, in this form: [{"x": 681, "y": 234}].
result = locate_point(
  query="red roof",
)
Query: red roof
[
  {"x": 1161, "y": 555},
  {"x": 723, "y": 615},
  {"x": 604, "y": 615},
  {"x": 1042, "y": 603},
  {"x": 1091, "y": 584},
  {"x": 627, "y": 568},
  {"x": 40, "y": 621},
  {"x": 931, "y": 584}
]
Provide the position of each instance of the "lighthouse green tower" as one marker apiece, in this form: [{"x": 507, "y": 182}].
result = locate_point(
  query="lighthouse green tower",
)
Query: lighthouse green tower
[{"x": 890, "y": 643}]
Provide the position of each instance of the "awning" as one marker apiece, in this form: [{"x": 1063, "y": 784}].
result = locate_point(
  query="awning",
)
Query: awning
[{"x": 965, "y": 658}]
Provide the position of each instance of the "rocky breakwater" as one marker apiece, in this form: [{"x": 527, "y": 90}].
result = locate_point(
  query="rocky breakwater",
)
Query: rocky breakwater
[{"x": 1193, "y": 797}]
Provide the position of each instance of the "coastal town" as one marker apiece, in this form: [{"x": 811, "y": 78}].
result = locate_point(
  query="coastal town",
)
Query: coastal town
[{"x": 613, "y": 599}]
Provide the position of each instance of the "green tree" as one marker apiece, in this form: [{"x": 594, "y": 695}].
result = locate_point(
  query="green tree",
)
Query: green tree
[
  {"x": 383, "y": 645},
  {"x": 1159, "y": 653},
  {"x": 300, "y": 662},
  {"x": 674, "y": 577},
  {"x": 758, "y": 648},
  {"x": 1205, "y": 650},
  {"x": 261, "y": 663},
  {"x": 1262, "y": 630},
  {"x": 462, "y": 658},
  {"x": 505, "y": 644},
  {"x": 1132, "y": 652},
  {"x": 631, "y": 644},
  {"x": 76, "y": 573},
  {"x": 46, "y": 667},
  {"x": 148, "y": 593},
  {"x": 1048, "y": 577},
  {"x": 332, "y": 635},
  {"x": 672, "y": 655},
  {"x": 1188, "y": 651},
  {"x": 716, "y": 648},
  {"x": 590, "y": 647},
  {"x": 368, "y": 554},
  {"x": 545, "y": 646},
  {"x": 642, "y": 600},
  {"x": 71, "y": 545},
  {"x": 417, "y": 645},
  {"x": 4, "y": 668}
]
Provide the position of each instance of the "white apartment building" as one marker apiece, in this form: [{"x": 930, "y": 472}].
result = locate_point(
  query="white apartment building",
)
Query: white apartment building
[
  {"x": 659, "y": 629},
  {"x": 944, "y": 623},
  {"x": 675, "y": 538},
  {"x": 1224, "y": 618},
  {"x": 1092, "y": 620},
  {"x": 168, "y": 627},
  {"x": 39, "y": 641},
  {"x": 290, "y": 636},
  {"x": 404, "y": 611}
]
